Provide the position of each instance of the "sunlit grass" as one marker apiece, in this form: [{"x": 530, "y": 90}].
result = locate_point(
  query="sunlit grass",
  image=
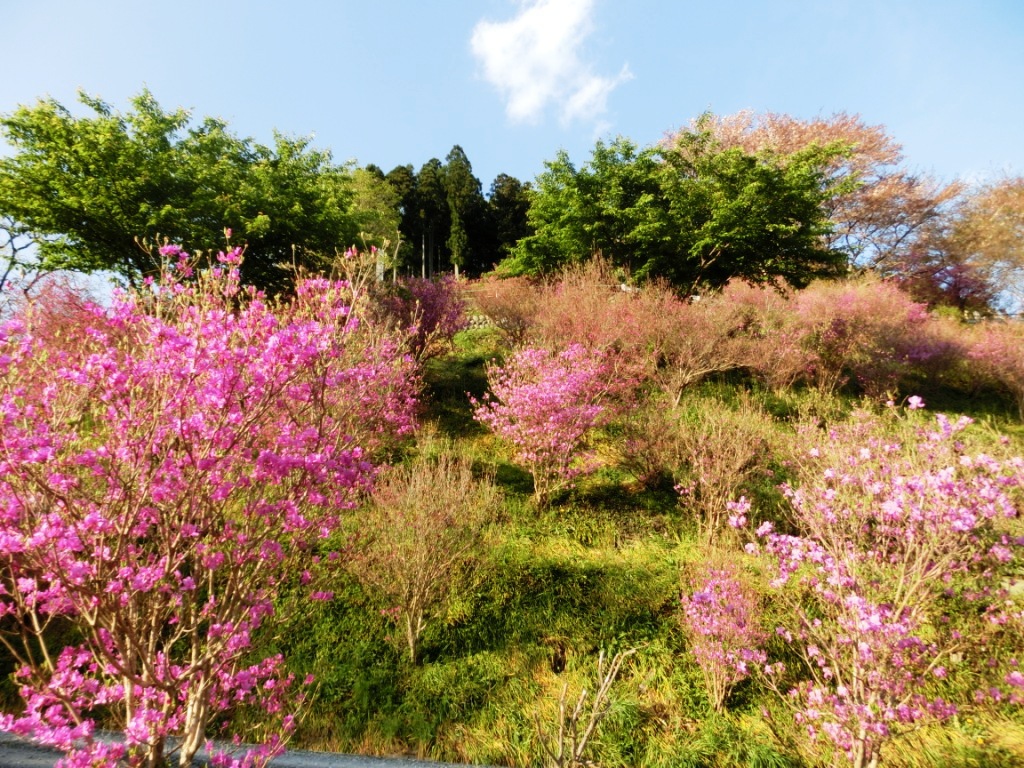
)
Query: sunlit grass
[{"x": 600, "y": 569}]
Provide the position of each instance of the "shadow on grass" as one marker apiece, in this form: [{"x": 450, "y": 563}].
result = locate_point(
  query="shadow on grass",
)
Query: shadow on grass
[
  {"x": 511, "y": 478},
  {"x": 448, "y": 384}
]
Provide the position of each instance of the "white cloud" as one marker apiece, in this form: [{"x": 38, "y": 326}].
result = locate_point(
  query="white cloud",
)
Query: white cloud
[{"x": 534, "y": 61}]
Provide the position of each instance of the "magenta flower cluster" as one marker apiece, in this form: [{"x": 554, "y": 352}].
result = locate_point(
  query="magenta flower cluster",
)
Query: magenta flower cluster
[
  {"x": 160, "y": 480},
  {"x": 723, "y": 622},
  {"x": 546, "y": 403},
  {"x": 884, "y": 530},
  {"x": 431, "y": 311}
]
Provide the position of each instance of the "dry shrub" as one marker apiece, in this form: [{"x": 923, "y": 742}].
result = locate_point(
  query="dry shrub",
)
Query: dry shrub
[
  {"x": 946, "y": 342},
  {"x": 691, "y": 340},
  {"x": 585, "y": 304},
  {"x": 420, "y": 538},
  {"x": 712, "y": 450},
  {"x": 565, "y": 744},
  {"x": 653, "y": 445},
  {"x": 510, "y": 303},
  {"x": 725, "y": 450}
]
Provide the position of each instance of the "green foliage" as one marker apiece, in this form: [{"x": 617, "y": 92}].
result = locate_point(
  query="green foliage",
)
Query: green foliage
[
  {"x": 375, "y": 207},
  {"x": 509, "y": 205},
  {"x": 88, "y": 188},
  {"x": 693, "y": 213},
  {"x": 466, "y": 239},
  {"x": 434, "y": 215}
]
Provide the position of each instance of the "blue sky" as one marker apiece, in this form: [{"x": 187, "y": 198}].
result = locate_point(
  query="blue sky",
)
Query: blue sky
[{"x": 392, "y": 82}]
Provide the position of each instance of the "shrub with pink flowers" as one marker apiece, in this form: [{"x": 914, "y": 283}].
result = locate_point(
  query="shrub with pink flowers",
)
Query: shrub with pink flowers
[
  {"x": 999, "y": 351},
  {"x": 869, "y": 330},
  {"x": 722, "y": 618},
  {"x": 546, "y": 404},
  {"x": 430, "y": 311},
  {"x": 159, "y": 483},
  {"x": 884, "y": 529}
]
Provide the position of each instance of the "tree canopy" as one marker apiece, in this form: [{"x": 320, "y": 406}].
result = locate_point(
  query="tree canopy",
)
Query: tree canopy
[
  {"x": 878, "y": 209},
  {"x": 972, "y": 258},
  {"x": 693, "y": 212},
  {"x": 88, "y": 189}
]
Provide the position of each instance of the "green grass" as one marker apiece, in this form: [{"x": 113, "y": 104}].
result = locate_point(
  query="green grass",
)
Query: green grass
[{"x": 597, "y": 570}]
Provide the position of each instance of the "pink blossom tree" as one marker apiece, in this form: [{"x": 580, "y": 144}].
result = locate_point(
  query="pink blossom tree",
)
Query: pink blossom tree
[{"x": 158, "y": 484}]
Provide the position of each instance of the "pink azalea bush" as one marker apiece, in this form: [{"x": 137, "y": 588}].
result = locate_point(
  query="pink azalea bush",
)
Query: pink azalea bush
[
  {"x": 648, "y": 332},
  {"x": 430, "y": 311},
  {"x": 767, "y": 335},
  {"x": 865, "y": 330},
  {"x": 869, "y": 330},
  {"x": 546, "y": 403},
  {"x": 159, "y": 482},
  {"x": 722, "y": 620},
  {"x": 884, "y": 530}
]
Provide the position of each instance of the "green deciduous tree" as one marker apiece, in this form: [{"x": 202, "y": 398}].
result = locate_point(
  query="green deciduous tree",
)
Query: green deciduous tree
[
  {"x": 376, "y": 207},
  {"x": 693, "y": 212},
  {"x": 88, "y": 188},
  {"x": 879, "y": 210},
  {"x": 755, "y": 217}
]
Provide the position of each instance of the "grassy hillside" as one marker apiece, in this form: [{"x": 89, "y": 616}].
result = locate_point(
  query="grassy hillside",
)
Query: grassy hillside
[{"x": 602, "y": 569}]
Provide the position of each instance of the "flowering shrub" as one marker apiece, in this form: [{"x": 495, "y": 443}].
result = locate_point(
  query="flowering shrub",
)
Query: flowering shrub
[
  {"x": 884, "y": 530},
  {"x": 648, "y": 332},
  {"x": 546, "y": 404},
  {"x": 1000, "y": 352},
  {"x": 584, "y": 304},
  {"x": 722, "y": 619},
  {"x": 870, "y": 330},
  {"x": 767, "y": 335},
  {"x": 158, "y": 483},
  {"x": 430, "y": 311}
]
